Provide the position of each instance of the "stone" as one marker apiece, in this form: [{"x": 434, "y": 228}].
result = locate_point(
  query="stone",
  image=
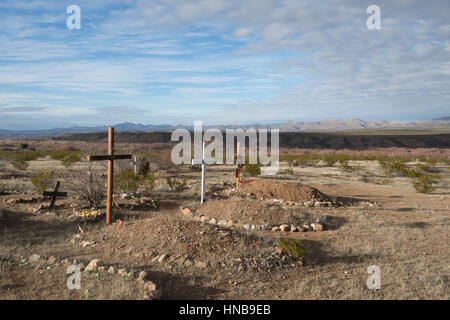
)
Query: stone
[
  {"x": 213, "y": 221},
  {"x": 276, "y": 228},
  {"x": 188, "y": 262},
  {"x": 111, "y": 270},
  {"x": 93, "y": 265},
  {"x": 121, "y": 272},
  {"x": 222, "y": 223},
  {"x": 230, "y": 223},
  {"x": 51, "y": 260},
  {"x": 285, "y": 227},
  {"x": 305, "y": 228},
  {"x": 186, "y": 211},
  {"x": 317, "y": 226},
  {"x": 293, "y": 228},
  {"x": 155, "y": 258},
  {"x": 65, "y": 261},
  {"x": 200, "y": 264},
  {"x": 81, "y": 266},
  {"x": 246, "y": 226},
  {"x": 34, "y": 258},
  {"x": 101, "y": 269},
  {"x": 149, "y": 286},
  {"x": 203, "y": 218},
  {"x": 143, "y": 275},
  {"x": 162, "y": 258}
]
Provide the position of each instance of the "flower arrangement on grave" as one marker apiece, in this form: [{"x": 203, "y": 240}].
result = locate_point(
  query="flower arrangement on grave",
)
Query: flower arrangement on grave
[{"x": 84, "y": 213}]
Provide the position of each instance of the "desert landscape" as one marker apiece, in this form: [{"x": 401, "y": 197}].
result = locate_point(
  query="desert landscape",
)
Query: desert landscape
[{"x": 309, "y": 232}]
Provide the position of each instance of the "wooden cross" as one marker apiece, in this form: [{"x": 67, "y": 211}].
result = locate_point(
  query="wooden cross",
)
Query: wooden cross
[
  {"x": 55, "y": 193},
  {"x": 203, "y": 161},
  {"x": 110, "y": 157}
]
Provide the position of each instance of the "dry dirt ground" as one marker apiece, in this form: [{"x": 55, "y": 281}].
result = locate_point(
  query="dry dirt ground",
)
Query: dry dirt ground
[{"x": 369, "y": 219}]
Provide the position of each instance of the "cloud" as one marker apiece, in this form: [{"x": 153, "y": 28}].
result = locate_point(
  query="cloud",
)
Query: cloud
[{"x": 225, "y": 60}]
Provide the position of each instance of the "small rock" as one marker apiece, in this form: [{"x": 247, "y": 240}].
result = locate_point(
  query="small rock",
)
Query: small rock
[
  {"x": 203, "y": 218},
  {"x": 293, "y": 228},
  {"x": 305, "y": 227},
  {"x": 213, "y": 221},
  {"x": 222, "y": 223},
  {"x": 149, "y": 286},
  {"x": 285, "y": 227},
  {"x": 111, "y": 270},
  {"x": 121, "y": 272},
  {"x": 101, "y": 269},
  {"x": 317, "y": 226},
  {"x": 200, "y": 264},
  {"x": 34, "y": 258},
  {"x": 93, "y": 265},
  {"x": 162, "y": 258},
  {"x": 143, "y": 275},
  {"x": 246, "y": 226},
  {"x": 188, "y": 262},
  {"x": 276, "y": 228},
  {"x": 81, "y": 266},
  {"x": 185, "y": 211},
  {"x": 230, "y": 223},
  {"x": 51, "y": 260}
]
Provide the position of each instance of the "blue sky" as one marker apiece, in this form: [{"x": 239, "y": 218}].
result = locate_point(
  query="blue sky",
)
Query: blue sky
[{"x": 221, "y": 61}]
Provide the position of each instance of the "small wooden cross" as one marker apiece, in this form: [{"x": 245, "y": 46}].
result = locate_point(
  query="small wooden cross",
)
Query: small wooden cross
[
  {"x": 203, "y": 161},
  {"x": 55, "y": 193},
  {"x": 110, "y": 157}
]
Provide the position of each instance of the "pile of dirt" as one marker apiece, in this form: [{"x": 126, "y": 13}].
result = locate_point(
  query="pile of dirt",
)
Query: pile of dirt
[
  {"x": 288, "y": 191},
  {"x": 184, "y": 245},
  {"x": 243, "y": 211}
]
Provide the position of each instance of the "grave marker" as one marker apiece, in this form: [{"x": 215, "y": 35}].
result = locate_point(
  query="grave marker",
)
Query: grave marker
[
  {"x": 110, "y": 157},
  {"x": 55, "y": 193},
  {"x": 203, "y": 161}
]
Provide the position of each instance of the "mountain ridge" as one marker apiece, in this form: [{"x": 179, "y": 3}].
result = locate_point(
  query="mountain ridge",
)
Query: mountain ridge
[{"x": 329, "y": 124}]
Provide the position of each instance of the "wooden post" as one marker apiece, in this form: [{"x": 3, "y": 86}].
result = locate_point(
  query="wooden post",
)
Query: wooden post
[
  {"x": 55, "y": 193},
  {"x": 110, "y": 186},
  {"x": 110, "y": 157}
]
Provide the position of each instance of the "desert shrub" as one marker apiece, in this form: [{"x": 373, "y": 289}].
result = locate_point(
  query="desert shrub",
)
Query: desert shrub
[
  {"x": 176, "y": 184},
  {"x": 293, "y": 247},
  {"x": 42, "y": 180},
  {"x": 424, "y": 184},
  {"x": 69, "y": 159},
  {"x": 21, "y": 160},
  {"x": 288, "y": 171},
  {"x": 23, "y": 146},
  {"x": 91, "y": 190},
  {"x": 144, "y": 166},
  {"x": 252, "y": 169},
  {"x": 394, "y": 167},
  {"x": 126, "y": 181}
]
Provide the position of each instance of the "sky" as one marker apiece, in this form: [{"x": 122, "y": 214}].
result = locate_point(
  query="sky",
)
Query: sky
[{"x": 221, "y": 61}]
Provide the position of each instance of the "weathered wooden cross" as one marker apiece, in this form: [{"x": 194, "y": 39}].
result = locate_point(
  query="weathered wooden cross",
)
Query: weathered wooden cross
[
  {"x": 55, "y": 193},
  {"x": 110, "y": 157},
  {"x": 203, "y": 161}
]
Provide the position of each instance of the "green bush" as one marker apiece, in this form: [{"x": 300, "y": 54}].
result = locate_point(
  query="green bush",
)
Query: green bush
[
  {"x": 21, "y": 160},
  {"x": 252, "y": 169},
  {"x": 69, "y": 159},
  {"x": 126, "y": 181},
  {"x": 293, "y": 247},
  {"x": 42, "y": 180},
  {"x": 175, "y": 184},
  {"x": 424, "y": 184}
]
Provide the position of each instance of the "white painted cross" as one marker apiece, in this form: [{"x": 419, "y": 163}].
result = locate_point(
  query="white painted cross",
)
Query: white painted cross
[{"x": 203, "y": 161}]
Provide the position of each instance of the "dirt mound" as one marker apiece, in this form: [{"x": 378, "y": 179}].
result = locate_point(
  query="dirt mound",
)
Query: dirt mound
[
  {"x": 243, "y": 211},
  {"x": 288, "y": 191},
  {"x": 185, "y": 245}
]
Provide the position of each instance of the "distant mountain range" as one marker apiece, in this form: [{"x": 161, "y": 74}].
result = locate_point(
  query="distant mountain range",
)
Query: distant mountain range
[{"x": 288, "y": 126}]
